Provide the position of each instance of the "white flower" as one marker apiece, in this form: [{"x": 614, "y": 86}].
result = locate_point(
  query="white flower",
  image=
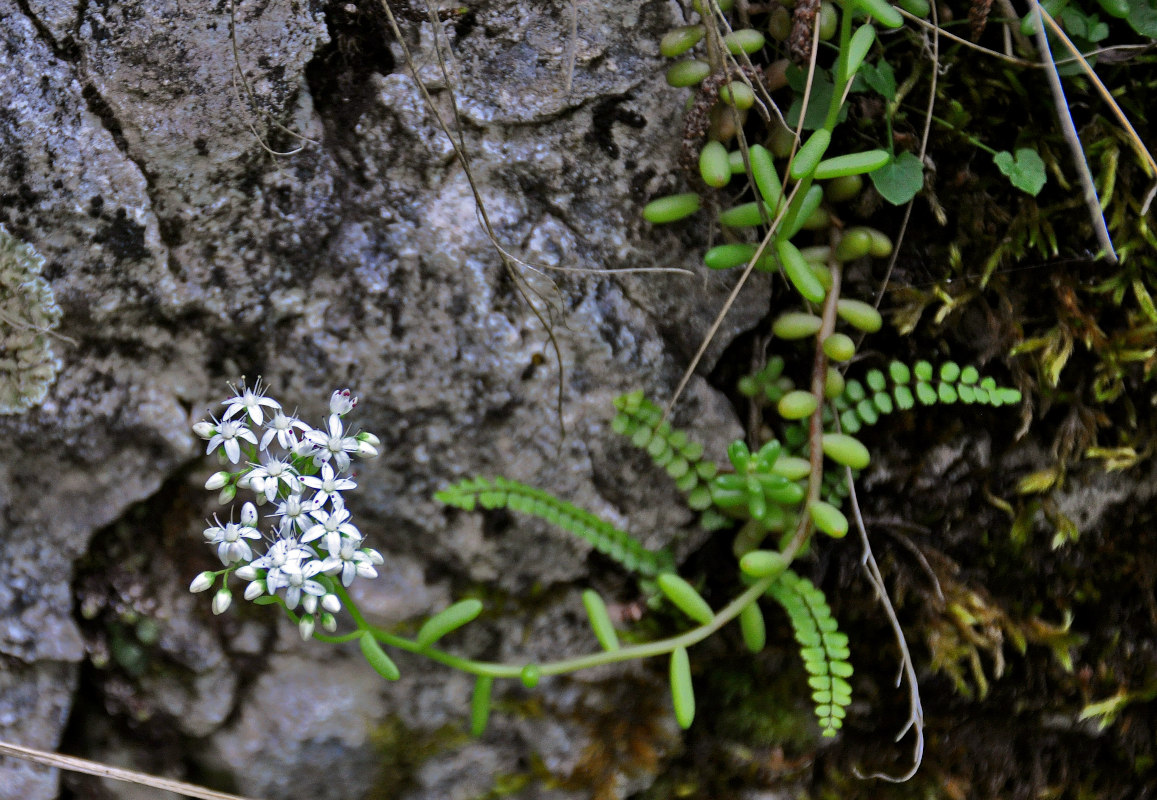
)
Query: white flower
[
  {"x": 294, "y": 513},
  {"x": 282, "y": 553},
  {"x": 228, "y": 432},
  {"x": 328, "y": 485},
  {"x": 266, "y": 477},
  {"x": 331, "y": 523},
  {"x": 333, "y": 444},
  {"x": 341, "y": 403},
  {"x": 250, "y": 401},
  {"x": 298, "y": 578},
  {"x": 281, "y": 427},
  {"x": 230, "y": 540},
  {"x": 347, "y": 560}
]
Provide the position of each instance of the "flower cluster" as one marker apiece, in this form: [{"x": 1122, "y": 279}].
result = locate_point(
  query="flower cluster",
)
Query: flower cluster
[{"x": 300, "y": 473}]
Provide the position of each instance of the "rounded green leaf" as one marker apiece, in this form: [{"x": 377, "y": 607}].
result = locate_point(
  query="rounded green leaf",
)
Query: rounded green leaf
[
  {"x": 828, "y": 519},
  {"x": 793, "y": 468},
  {"x": 846, "y": 450},
  {"x": 678, "y": 41},
  {"x": 855, "y": 243},
  {"x": 738, "y": 94},
  {"x": 834, "y": 384},
  {"x": 753, "y": 628},
  {"x": 727, "y": 256},
  {"x": 859, "y": 315},
  {"x": 851, "y": 164},
  {"x": 841, "y": 190},
  {"x": 839, "y": 347},
  {"x": 797, "y": 404},
  {"x": 682, "y": 692},
  {"x": 671, "y": 208},
  {"x": 688, "y": 73},
  {"x": 802, "y": 211},
  {"x": 763, "y": 563},
  {"x": 796, "y": 325},
  {"x": 480, "y": 705},
  {"x": 766, "y": 177},
  {"x": 883, "y": 11},
  {"x": 600, "y": 620},
  {"x": 744, "y": 215},
  {"x": 713, "y": 165},
  {"x": 798, "y": 272},
  {"x": 858, "y": 47},
  {"x": 447, "y": 620},
  {"x": 809, "y": 155},
  {"x": 377, "y": 658},
  {"x": 747, "y": 40},
  {"x": 685, "y": 598}
]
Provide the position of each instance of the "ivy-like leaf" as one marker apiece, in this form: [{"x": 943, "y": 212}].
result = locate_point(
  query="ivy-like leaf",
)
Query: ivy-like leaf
[
  {"x": 1025, "y": 170},
  {"x": 900, "y": 180},
  {"x": 880, "y": 77}
]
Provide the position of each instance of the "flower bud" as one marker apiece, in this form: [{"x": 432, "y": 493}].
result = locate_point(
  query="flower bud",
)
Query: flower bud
[
  {"x": 221, "y": 600},
  {"x": 374, "y": 555},
  {"x": 254, "y": 590},
  {"x": 331, "y": 603},
  {"x": 369, "y": 438},
  {"x": 305, "y": 628},
  {"x": 309, "y": 603},
  {"x": 328, "y": 622},
  {"x": 227, "y": 495},
  {"x": 206, "y": 430},
  {"x": 202, "y": 582},
  {"x": 249, "y": 515},
  {"x": 367, "y": 450},
  {"x": 341, "y": 403},
  {"x": 217, "y": 480},
  {"x": 246, "y": 573}
]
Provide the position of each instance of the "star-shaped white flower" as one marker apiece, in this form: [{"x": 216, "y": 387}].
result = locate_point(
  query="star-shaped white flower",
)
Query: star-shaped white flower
[
  {"x": 281, "y": 426},
  {"x": 250, "y": 401},
  {"x": 294, "y": 513},
  {"x": 283, "y": 554},
  {"x": 299, "y": 581},
  {"x": 331, "y": 523},
  {"x": 327, "y": 485},
  {"x": 332, "y": 444},
  {"x": 265, "y": 478},
  {"x": 228, "y": 432},
  {"x": 230, "y": 540},
  {"x": 347, "y": 560}
]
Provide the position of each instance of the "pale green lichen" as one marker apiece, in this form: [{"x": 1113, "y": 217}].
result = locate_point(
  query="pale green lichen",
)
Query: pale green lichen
[{"x": 28, "y": 312}]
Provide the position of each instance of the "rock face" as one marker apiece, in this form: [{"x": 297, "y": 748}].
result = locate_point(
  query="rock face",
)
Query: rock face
[{"x": 289, "y": 207}]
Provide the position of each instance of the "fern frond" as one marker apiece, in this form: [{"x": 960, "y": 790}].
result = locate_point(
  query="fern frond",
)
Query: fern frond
[
  {"x": 902, "y": 387},
  {"x": 823, "y": 647},
  {"x": 642, "y": 422},
  {"x": 602, "y": 535}
]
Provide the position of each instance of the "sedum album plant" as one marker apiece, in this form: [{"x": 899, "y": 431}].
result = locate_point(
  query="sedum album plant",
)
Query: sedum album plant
[{"x": 306, "y": 551}]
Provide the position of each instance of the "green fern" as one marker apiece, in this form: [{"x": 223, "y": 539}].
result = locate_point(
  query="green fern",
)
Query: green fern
[
  {"x": 902, "y": 387},
  {"x": 642, "y": 421},
  {"x": 823, "y": 647},
  {"x": 602, "y": 535}
]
